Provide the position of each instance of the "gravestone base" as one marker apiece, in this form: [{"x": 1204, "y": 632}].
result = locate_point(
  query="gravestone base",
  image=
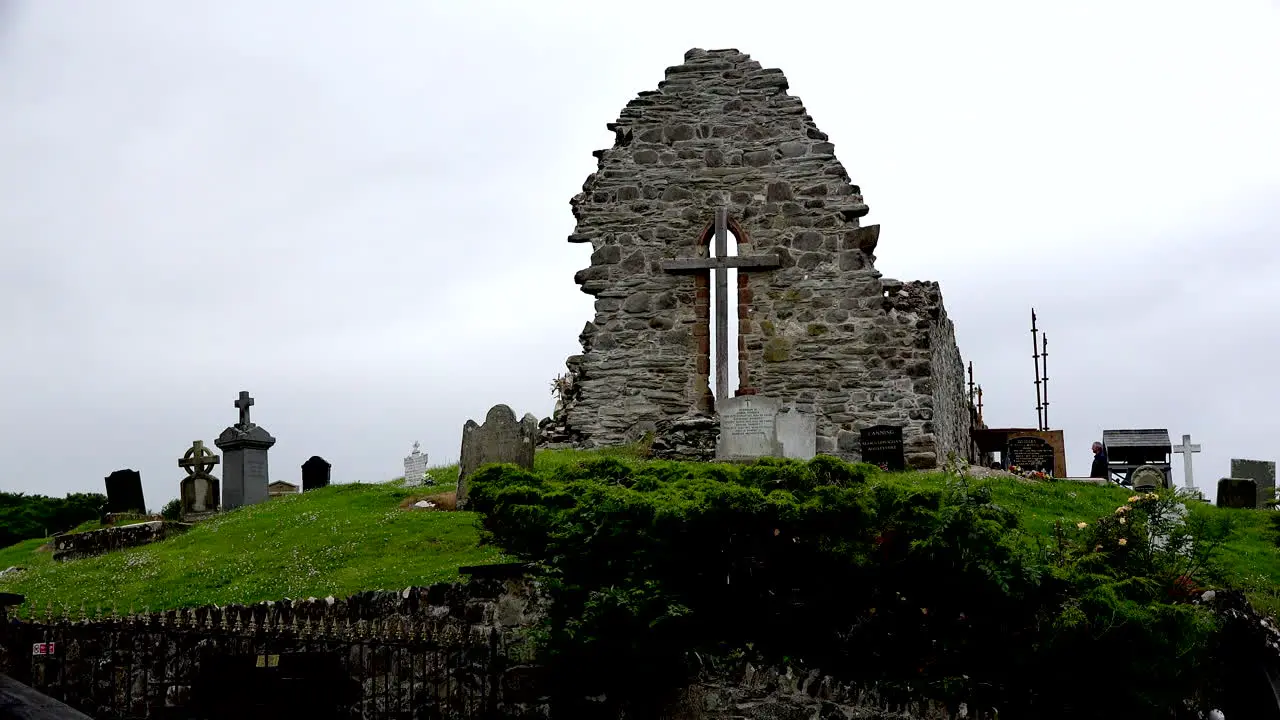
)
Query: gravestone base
[{"x": 195, "y": 517}]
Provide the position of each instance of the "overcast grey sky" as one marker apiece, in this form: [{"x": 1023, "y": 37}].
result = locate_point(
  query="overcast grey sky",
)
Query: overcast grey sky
[{"x": 357, "y": 211}]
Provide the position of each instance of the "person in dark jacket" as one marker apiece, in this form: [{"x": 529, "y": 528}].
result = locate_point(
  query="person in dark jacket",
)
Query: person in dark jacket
[{"x": 1099, "y": 469}]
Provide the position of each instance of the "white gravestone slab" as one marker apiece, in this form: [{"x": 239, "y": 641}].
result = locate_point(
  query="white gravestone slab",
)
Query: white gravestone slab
[
  {"x": 415, "y": 467},
  {"x": 798, "y": 434},
  {"x": 747, "y": 428}
]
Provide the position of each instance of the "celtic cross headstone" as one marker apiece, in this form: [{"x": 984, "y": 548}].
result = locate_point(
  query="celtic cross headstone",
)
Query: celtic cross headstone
[{"x": 199, "y": 491}]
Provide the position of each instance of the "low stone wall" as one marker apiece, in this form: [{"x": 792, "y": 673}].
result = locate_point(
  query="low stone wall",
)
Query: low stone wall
[
  {"x": 748, "y": 692},
  {"x": 73, "y": 546}
]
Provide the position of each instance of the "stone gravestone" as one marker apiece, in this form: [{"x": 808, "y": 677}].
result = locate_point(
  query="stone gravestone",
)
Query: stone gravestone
[
  {"x": 1029, "y": 453},
  {"x": 244, "y": 449},
  {"x": 748, "y": 428},
  {"x": 315, "y": 473},
  {"x": 1148, "y": 478},
  {"x": 1237, "y": 493},
  {"x": 501, "y": 439},
  {"x": 415, "y": 467},
  {"x": 199, "y": 492},
  {"x": 124, "y": 492},
  {"x": 798, "y": 433},
  {"x": 882, "y": 445},
  {"x": 1262, "y": 472}
]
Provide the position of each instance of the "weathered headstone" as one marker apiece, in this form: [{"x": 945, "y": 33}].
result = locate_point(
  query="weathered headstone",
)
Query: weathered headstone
[
  {"x": 798, "y": 433},
  {"x": 124, "y": 492},
  {"x": 1030, "y": 453},
  {"x": 748, "y": 428},
  {"x": 1148, "y": 477},
  {"x": 882, "y": 445},
  {"x": 244, "y": 451},
  {"x": 315, "y": 473},
  {"x": 415, "y": 467},
  {"x": 199, "y": 492},
  {"x": 501, "y": 439},
  {"x": 1262, "y": 472},
  {"x": 1237, "y": 493}
]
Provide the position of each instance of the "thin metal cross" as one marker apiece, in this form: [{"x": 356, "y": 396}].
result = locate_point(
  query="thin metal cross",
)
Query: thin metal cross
[
  {"x": 244, "y": 403},
  {"x": 1186, "y": 448},
  {"x": 720, "y": 265}
]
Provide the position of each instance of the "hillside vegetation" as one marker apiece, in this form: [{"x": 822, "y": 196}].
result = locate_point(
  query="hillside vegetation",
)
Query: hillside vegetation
[
  {"x": 354, "y": 537},
  {"x": 1004, "y": 593},
  {"x": 335, "y": 541},
  {"x": 24, "y": 517}
]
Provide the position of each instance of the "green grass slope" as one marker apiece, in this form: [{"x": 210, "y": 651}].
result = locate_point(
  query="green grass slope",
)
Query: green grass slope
[
  {"x": 350, "y": 538},
  {"x": 335, "y": 541}
]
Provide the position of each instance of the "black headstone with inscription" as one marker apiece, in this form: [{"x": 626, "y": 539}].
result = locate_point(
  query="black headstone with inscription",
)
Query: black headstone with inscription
[
  {"x": 882, "y": 445},
  {"x": 1029, "y": 453},
  {"x": 124, "y": 492},
  {"x": 1237, "y": 493},
  {"x": 315, "y": 473}
]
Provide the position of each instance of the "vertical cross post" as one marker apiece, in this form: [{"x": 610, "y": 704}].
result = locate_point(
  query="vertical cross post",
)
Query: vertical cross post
[
  {"x": 719, "y": 266},
  {"x": 243, "y": 404},
  {"x": 1035, "y": 359},
  {"x": 722, "y": 306},
  {"x": 1186, "y": 449},
  {"x": 1044, "y": 376}
]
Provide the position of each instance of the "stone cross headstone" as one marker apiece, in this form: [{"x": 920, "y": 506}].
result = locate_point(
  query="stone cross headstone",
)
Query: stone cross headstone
[
  {"x": 1237, "y": 493},
  {"x": 244, "y": 451},
  {"x": 1147, "y": 477},
  {"x": 415, "y": 467},
  {"x": 199, "y": 492},
  {"x": 882, "y": 445},
  {"x": 124, "y": 492},
  {"x": 1187, "y": 449},
  {"x": 1262, "y": 472},
  {"x": 748, "y": 428},
  {"x": 501, "y": 439},
  {"x": 315, "y": 473},
  {"x": 719, "y": 265},
  {"x": 1030, "y": 453}
]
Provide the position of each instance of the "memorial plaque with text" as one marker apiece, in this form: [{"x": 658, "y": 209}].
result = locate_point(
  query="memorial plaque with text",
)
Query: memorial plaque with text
[
  {"x": 1030, "y": 453},
  {"x": 748, "y": 427},
  {"x": 882, "y": 445}
]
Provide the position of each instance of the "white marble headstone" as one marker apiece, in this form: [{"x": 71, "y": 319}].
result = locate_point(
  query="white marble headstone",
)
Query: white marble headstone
[
  {"x": 747, "y": 428},
  {"x": 798, "y": 434},
  {"x": 415, "y": 467}
]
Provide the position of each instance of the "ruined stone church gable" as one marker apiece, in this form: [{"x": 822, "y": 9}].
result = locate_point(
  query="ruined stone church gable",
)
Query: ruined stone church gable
[{"x": 818, "y": 332}]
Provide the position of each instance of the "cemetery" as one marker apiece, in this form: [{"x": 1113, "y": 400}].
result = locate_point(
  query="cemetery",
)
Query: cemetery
[{"x": 835, "y": 532}]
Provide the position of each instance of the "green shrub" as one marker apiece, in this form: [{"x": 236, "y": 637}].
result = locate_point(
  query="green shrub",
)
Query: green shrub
[
  {"x": 172, "y": 510},
  {"x": 934, "y": 589}
]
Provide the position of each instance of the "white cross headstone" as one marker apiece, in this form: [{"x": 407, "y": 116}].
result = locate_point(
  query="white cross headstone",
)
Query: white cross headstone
[
  {"x": 415, "y": 467},
  {"x": 1186, "y": 448}
]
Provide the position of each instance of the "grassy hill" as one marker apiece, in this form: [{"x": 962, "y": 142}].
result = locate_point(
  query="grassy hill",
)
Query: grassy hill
[
  {"x": 349, "y": 538},
  {"x": 335, "y": 541}
]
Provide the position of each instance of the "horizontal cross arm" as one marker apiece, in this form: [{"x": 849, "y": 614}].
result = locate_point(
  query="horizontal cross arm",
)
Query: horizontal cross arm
[
  {"x": 691, "y": 264},
  {"x": 764, "y": 262}
]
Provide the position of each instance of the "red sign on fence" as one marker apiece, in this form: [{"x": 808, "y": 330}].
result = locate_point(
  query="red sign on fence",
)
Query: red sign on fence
[{"x": 42, "y": 648}]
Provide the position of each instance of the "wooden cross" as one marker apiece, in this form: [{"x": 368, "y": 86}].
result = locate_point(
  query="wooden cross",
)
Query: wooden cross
[
  {"x": 244, "y": 403},
  {"x": 720, "y": 263},
  {"x": 1186, "y": 448}
]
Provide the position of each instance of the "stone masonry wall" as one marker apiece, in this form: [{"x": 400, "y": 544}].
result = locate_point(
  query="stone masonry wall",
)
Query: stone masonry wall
[
  {"x": 820, "y": 333},
  {"x": 73, "y": 546}
]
